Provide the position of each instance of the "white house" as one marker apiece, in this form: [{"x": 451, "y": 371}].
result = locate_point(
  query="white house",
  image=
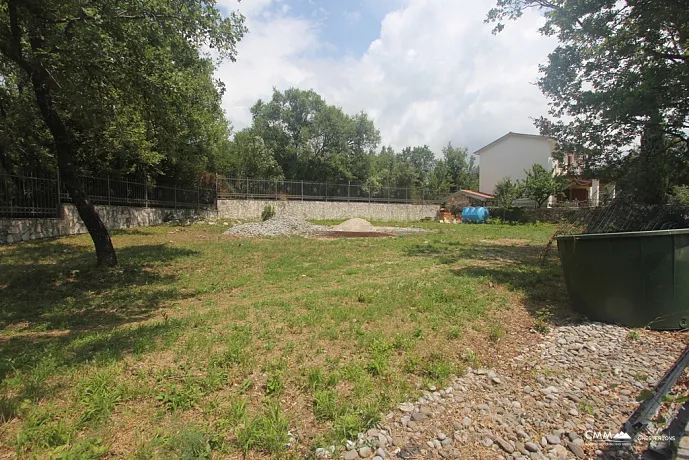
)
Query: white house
[{"x": 514, "y": 153}]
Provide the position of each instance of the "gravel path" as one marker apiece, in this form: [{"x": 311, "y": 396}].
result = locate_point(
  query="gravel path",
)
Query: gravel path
[{"x": 538, "y": 405}]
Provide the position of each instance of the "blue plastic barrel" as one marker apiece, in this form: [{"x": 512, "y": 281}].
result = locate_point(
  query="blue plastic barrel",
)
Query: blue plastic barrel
[{"x": 475, "y": 215}]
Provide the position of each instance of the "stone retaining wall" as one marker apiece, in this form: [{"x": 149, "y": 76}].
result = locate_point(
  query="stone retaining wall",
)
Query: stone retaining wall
[
  {"x": 14, "y": 230},
  {"x": 251, "y": 209}
]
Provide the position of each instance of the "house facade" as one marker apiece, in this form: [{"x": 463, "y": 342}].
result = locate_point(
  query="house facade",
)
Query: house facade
[{"x": 515, "y": 153}]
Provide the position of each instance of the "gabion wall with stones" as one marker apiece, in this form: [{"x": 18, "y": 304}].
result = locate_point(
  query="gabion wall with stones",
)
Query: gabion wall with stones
[
  {"x": 251, "y": 209},
  {"x": 15, "y": 230}
]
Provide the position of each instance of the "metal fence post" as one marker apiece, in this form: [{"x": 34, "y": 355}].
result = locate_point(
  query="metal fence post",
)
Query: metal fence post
[
  {"x": 175, "y": 193},
  {"x": 59, "y": 191},
  {"x": 276, "y": 189},
  {"x": 406, "y": 195},
  {"x": 302, "y": 190},
  {"x": 146, "y": 194},
  {"x": 108, "y": 182},
  {"x": 349, "y": 185},
  {"x": 247, "y": 188},
  {"x": 388, "y": 194},
  {"x": 326, "y": 191},
  {"x": 422, "y": 195}
]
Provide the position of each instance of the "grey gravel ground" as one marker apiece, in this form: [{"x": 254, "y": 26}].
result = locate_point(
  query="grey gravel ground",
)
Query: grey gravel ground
[
  {"x": 277, "y": 226},
  {"x": 287, "y": 226},
  {"x": 539, "y": 405}
]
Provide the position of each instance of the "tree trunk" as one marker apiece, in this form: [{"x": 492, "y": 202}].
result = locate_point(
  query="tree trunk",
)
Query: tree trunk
[{"x": 105, "y": 252}]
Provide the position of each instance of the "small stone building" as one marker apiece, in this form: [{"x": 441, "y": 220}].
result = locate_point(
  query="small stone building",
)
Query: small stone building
[{"x": 463, "y": 198}]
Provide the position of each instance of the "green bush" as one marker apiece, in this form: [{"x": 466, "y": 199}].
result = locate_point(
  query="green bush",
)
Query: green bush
[{"x": 268, "y": 213}]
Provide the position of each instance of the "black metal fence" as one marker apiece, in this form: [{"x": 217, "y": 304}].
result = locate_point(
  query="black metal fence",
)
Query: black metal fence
[
  {"x": 270, "y": 189},
  {"x": 29, "y": 196}
]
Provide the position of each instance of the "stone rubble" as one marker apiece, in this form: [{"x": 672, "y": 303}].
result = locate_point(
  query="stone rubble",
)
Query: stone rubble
[
  {"x": 276, "y": 226},
  {"x": 539, "y": 405}
]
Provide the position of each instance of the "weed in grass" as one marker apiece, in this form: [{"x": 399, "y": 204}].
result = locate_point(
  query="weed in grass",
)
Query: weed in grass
[
  {"x": 175, "y": 397},
  {"x": 267, "y": 432},
  {"x": 378, "y": 364},
  {"x": 246, "y": 385},
  {"x": 83, "y": 449},
  {"x": 274, "y": 384},
  {"x": 585, "y": 407},
  {"x": 43, "y": 427},
  {"x": 369, "y": 413},
  {"x": 147, "y": 449},
  {"x": 454, "y": 333},
  {"x": 236, "y": 412},
  {"x": 363, "y": 298},
  {"x": 402, "y": 342},
  {"x": 543, "y": 317},
  {"x": 434, "y": 366},
  {"x": 471, "y": 358},
  {"x": 325, "y": 405},
  {"x": 633, "y": 336},
  {"x": 315, "y": 378},
  {"x": 98, "y": 396},
  {"x": 347, "y": 426},
  {"x": 191, "y": 443},
  {"x": 496, "y": 332},
  {"x": 236, "y": 352},
  {"x": 35, "y": 379}
]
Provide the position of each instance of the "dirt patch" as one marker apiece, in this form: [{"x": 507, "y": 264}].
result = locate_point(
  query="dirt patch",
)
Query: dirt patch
[
  {"x": 341, "y": 234},
  {"x": 507, "y": 242}
]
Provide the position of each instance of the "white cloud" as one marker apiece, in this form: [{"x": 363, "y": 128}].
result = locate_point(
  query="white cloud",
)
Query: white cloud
[{"x": 436, "y": 73}]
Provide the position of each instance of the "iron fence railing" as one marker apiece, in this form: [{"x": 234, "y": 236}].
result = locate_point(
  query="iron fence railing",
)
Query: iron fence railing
[
  {"x": 28, "y": 196},
  {"x": 270, "y": 189}
]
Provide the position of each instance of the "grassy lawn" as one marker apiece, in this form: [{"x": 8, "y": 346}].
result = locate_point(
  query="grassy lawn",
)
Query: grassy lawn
[{"x": 205, "y": 345}]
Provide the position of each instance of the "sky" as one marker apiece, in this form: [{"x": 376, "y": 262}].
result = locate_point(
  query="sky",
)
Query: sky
[{"x": 427, "y": 71}]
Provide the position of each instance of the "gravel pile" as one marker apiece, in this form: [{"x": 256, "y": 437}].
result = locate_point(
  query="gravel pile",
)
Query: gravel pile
[
  {"x": 277, "y": 226},
  {"x": 354, "y": 225},
  {"x": 538, "y": 405}
]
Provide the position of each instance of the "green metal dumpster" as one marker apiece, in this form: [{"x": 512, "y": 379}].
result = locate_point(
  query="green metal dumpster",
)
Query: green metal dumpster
[{"x": 636, "y": 279}]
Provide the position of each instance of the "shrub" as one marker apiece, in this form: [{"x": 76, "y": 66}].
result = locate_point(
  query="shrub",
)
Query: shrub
[{"x": 268, "y": 213}]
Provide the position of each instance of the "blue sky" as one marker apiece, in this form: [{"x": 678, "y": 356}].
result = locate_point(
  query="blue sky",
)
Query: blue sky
[{"x": 427, "y": 71}]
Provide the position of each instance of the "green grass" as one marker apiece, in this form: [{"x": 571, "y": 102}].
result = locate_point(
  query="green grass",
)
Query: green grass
[{"x": 199, "y": 345}]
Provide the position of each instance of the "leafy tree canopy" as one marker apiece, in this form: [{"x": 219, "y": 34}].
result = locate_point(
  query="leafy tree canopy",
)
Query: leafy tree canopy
[
  {"x": 312, "y": 140},
  {"x": 540, "y": 184},
  {"x": 619, "y": 74},
  {"x": 507, "y": 192}
]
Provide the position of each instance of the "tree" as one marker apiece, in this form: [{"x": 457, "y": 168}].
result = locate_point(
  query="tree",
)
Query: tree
[
  {"x": 111, "y": 78},
  {"x": 421, "y": 161},
  {"x": 507, "y": 192},
  {"x": 463, "y": 172},
  {"x": 540, "y": 184},
  {"x": 312, "y": 140},
  {"x": 249, "y": 157},
  {"x": 619, "y": 74}
]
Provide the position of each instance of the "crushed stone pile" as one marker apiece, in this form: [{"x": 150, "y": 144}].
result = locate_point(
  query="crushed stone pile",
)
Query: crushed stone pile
[
  {"x": 354, "y": 225},
  {"x": 277, "y": 226}
]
